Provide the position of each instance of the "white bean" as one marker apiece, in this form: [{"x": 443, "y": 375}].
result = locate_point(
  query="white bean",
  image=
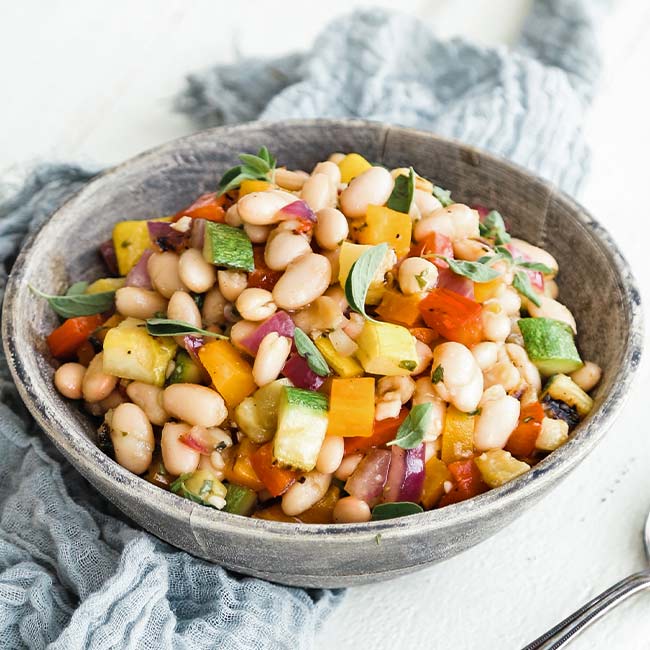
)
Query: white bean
[
  {"x": 462, "y": 382},
  {"x": 283, "y": 247},
  {"x": 139, "y": 303},
  {"x": 194, "y": 404},
  {"x": 68, "y": 380},
  {"x": 469, "y": 249},
  {"x": 305, "y": 279},
  {"x": 303, "y": 495},
  {"x": 425, "y": 394},
  {"x": 213, "y": 306},
  {"x": 232, "y": 283},
  {"x": 331, "y": 228},
  {"x": 257, "y": 234},
  {"x": 347, "y": 466},
  {"x": 290, "y": 180},
  {"x": 527, "y": 369},
  {"x": 232, "y": 217},
  {"x": 426, "y": 202},
  {"x": 417, "y": 275},
  {"x": 319, "y": 192},
  {"x": 330, "y": 455},
  {"x": 182, "y": 307},
  {"x": 497, "y": 420},
  {"x": 485, "y": 354},
  {"x": 551, "y": 289},
  {"x": 372, "y": 187},
  {"x": 587, "y": 376},
  {"x": 330, "y": 169},
  {"x": 178, "y": 458},
  {"x": 536, "y": 254},
  {"x": 336, "y": 157},
  {"x": 255, "y": 304},
  {"x": 149, "y": 399},
  {"x": 322, "y": 314},
  {"x": 261, "y": 208},
  {"x": 551, "y": 308},
  {"x": 240, "y": 331},
  {"x": 195, "y": 273},
  {"x": 496, "y": 323},
  {"x": 350, "y": 510},
  {"x": 163, "y": 271},
  {"x": 333, "y": 258},
  {"x": 97, "y": 384},
  {"x": 132, "y": 438},
  {"x": 425, "y": 356},
  {"x": 456, "y": 221},
  {"x": 270, "y": 358}
]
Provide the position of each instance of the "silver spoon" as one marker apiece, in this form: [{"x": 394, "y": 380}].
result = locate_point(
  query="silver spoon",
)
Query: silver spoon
[{"x": 562, "y": 633}]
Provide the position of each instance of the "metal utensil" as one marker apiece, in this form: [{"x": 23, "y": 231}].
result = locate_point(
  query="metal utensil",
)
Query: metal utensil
[{"x": 562, "y": 633}]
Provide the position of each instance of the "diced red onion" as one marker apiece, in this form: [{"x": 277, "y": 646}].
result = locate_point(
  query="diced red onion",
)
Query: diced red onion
[
  {"x": 193, "y": 344},
  {"x": 301, "y": 375},
  {"x": 297, "y": 210},
  {"x": 482, "y": 210},
  {"x": 447, "y": 279},
  {"x": 165, "y": 237},
  {"x": 138, "y": 276},
  {"x": 193, "y": 442},
  {"x": 203, "y": 439},
  {"x": 368, "y": 479},
  {"x": 405, "y": 475},
  {"x": 536, "y": 277},
  {"x": 107, "y": 251},
  {"x": 280, "y": 322},
  {"x": 197, "y": 234}
]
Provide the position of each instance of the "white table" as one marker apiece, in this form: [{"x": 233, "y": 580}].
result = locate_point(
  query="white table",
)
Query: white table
[{"x": 95, "y": 82}]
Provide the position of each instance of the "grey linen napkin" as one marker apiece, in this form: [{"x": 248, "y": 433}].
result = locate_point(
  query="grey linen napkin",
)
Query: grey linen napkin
[{"x": 73, "y": 572}]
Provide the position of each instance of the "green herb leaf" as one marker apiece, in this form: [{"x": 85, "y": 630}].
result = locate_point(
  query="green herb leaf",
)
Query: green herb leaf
[
  {"x": 408, "y": 364},
  {"x": 534, "y": 266},
  {"x": 493, "y": 227},
  {"x": 437, "y": 375},
  {"x": 169, "y": 327},
  {"x": 178, "y": 487},
  {"x": 310, "y": 353},
  {"x": 475, "y": 271},
  {"x": 76, "y": 289},
  {"x": 500, "y": 253},
  {"x": 402, "y": 194},
  {"x": 476, "y": 411},
  {"x": 78, "y": 304},
  {"x": 521, "y": 282},
  {"x": 444, "y": 196},
  {"x": 396, "y": 509},
  {"x": 360, "y": 277},
  {"x": 412, "y": 430},
  {"x": 259, "y": 167},
  {"x": 255, "y": 164},
  {"x": 264, "y": 154}
]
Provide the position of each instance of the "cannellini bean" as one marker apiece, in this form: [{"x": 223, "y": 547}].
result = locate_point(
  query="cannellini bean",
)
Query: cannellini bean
[
  {"x": 391, "y": 393},
  {"x": 496, "y": 323},
  {"x": 323, "y": 314},
  {"x": 508, "y": 299},
  {"x": 456, "y": 221},
  {"x": 140, "y": 303},
  {"x": 355, "y": 325},
  {"x": 257, "y": 234},
  {"x": 96, "y": 384},
  {"x": 270, "y": 358},
  {"x": 330, "y": 169},
  {"x": 255, "y": 304},
  {"x": 261, "y": 208},
  {"x": 347, "y": 466},
  {"x": 182, "y": 307},
  {"x": 319, "y": 192},
  {"x": 337, "y": 294},
  {"x": 195, "y": 273},
  {"x": 290, "y": 180},
  {"x": 527, "y": 369},
  {"x": 426, "y": 202},
  {"x": 330, "y": 455},
  {"x": 194, "y": 404},
  {"x": 485, "y": 354},
  {"x": 417, "y": 275},
  {"x": 164, "y": 274},
  {"x": 305, "y": 279},
  {"x": 551, "y": 308},
  {"x": 535, "y": 253},
  {"x": 503, "y": 372},
  {"x": 586, "y": 377},
  {"x": 149, "y": 399},
  {"x": 336, "y": 157},
  {"x": 240, "y": 331},
  {"x": 232, "y": 283},
  {"x": 497, "y": 420},
  {"x": 372, "y": 187},
  {"x": 469, "y": 249},
  {"x": 205, "y": 462},
  {"x": 350, "y": 510},
  {"x": 303, "y": 495},
  {"x": 331, "y": 228},
  {"x": 132, "y": 437},
  {"x": 178, "y": 458},
  {"x": 425, "y": 356},
  {"x": 426, "y": 394},
  {"x": 68, "y": 380},
  {"x": 333, "y": 258},
  {"x": 283, "y": 247},
  {"x": 213, "y": 306},
  {"x": 232, "y": 217},
  {"x": 462, "y": 382},
  {"x": 551, "y": 289}
]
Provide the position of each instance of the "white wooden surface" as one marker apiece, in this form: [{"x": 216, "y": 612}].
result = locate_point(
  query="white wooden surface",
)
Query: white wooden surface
[{"x": 95, "y": 81}]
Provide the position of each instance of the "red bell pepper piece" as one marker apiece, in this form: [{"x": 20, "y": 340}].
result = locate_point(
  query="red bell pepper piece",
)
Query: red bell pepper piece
[
  {"x": 383, "y": 431},
  {"x": 207, "y": 206},
  {"x": 276, "y": 480},
  {"x": 65, "y": 339},
  {"x": 262, "y": 277},
  {"x": 434, "y": 244},
  {"x": 468, "y": 482},
  {"x": 453, "y": 316},
  {"x": 522, "y": 440}
]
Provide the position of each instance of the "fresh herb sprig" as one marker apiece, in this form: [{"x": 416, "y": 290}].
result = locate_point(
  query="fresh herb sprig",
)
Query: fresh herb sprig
[
  {"x": 169, "y": 327},
  {"x": 402, "y": 195},
  {"x": 395, "y": 509},
  {"x": 475, "y": 271},
  {"x": 413, "y": 429},
  {"x": 310, "y": 353},
  {"x": 493, "y": 227},
  {"x": 258, "y": 167},
  {"x": 443, "y": 195},
  {"x": 361, "y": 276},
  {"x": 76, "y": 303}
]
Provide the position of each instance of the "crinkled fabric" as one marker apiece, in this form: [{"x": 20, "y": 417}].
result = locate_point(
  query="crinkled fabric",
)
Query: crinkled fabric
[{"x": 74, "y": 572}]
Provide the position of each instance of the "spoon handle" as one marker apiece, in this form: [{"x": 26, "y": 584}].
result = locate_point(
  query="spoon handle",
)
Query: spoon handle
[{"x": 562, "y": 633}]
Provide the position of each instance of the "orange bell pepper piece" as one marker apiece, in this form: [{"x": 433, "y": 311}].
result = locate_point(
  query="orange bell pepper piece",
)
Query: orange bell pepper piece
[
  {"x": 275, "y": 513},
  {"x": 207, "y": 206},
  {"x": 262, "y": 277},
  {"x": 383, "y": 431},
  {"x": 239, "y": 468},
  {"x": 276, "y": 479},
  {"x": 352, "y": 407},
  {"x": 457, "y": 435},
  {"x": 424, "y": 334},
  {"x": 484, "y": 291},
  {"x": 522, "y": 440},
  {"x": 453, "y": 316},
  {"x": 321, "y": 511},
  {"x": 436, "y": 474},
  {"x": 65, "y": 339},
  {"x": 250, "y": 186},
  {"x": 397, "y": 308},
  {"x": 468, "y": 482},
  {"x": 434, "y": 244}
]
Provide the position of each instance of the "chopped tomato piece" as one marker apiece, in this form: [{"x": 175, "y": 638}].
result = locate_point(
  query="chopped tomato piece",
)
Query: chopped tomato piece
[
  {"x": 468, "y": 482},
  {"x": 276, "y": 479},
  {"x": 67, "y": 338},
  {"x": 262, "y": 277},
  {"x": 207, "y": 206},
  {"x": 383, "y": 431},
  {"x": 453, "y": 316},
  {"x": 424, "y": 334},
  {"x": 434, "y": 244},
  {"x": 522, "y": 440}
]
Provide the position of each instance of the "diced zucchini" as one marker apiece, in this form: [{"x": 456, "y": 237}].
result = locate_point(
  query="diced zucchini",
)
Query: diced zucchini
[
  {"x": 350, "y": 253},
  {"x": 240, "y": 500},
  {"x": 257, "y": 415},
  {"x": 105, "y": 284},
  {"x": 550, "y": 346},
  {"x": 130, "y": 353},
  {"x": 553, "y": 434},
  {"x": 201, "y": 486},
  {"x": 386, "y": 349},
  {"x": 186, "y": 370},
  {"x": 498, "y": 466},
  {"x": 131, "y": 239},
  {"x": 342, "y": 366},
  {"x": 563, "y": 388},
  {"x": 228, "y": 247},
  {"x": 302, "y": 423}
]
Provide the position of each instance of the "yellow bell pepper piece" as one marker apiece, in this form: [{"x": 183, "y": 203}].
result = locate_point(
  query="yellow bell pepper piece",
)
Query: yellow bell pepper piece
[
  {"x": 231, "y": 375},
  {"x": 342, "y": 366},
  {"x": 382, "y": 224},
  {"x": 352, "y": 165},
  {"x": 131, "y": 239},
  {"x": 435, "y": 475},
  {"x": 105, "y": 284},
  {"x": 386, "y": 349},
  {"x": 249, "y": 186},
  {"x": 397, "y": 308},
  {"x": 457, "y": 436},
  {"x": 352, "y": 407},
  {"x": 484, "y": 291}
]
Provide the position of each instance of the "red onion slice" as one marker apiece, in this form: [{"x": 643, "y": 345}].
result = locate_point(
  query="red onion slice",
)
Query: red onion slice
[
  {"x": 193, "y": 344},
  {"x": 107, "y": 251},
  {"x": 197, "y": 233},
  {"x": 280, "y": 322},
  {"x": 297, "y": 210},
  {"x": 165, "y": 237},
  {"x": 447, "y": 279},
  {"x": 138, "y": 276},
  {"x": 368, "y": 479},
  {"x": 406, "y": 474},
  {"x": 301, "y": 375}
]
